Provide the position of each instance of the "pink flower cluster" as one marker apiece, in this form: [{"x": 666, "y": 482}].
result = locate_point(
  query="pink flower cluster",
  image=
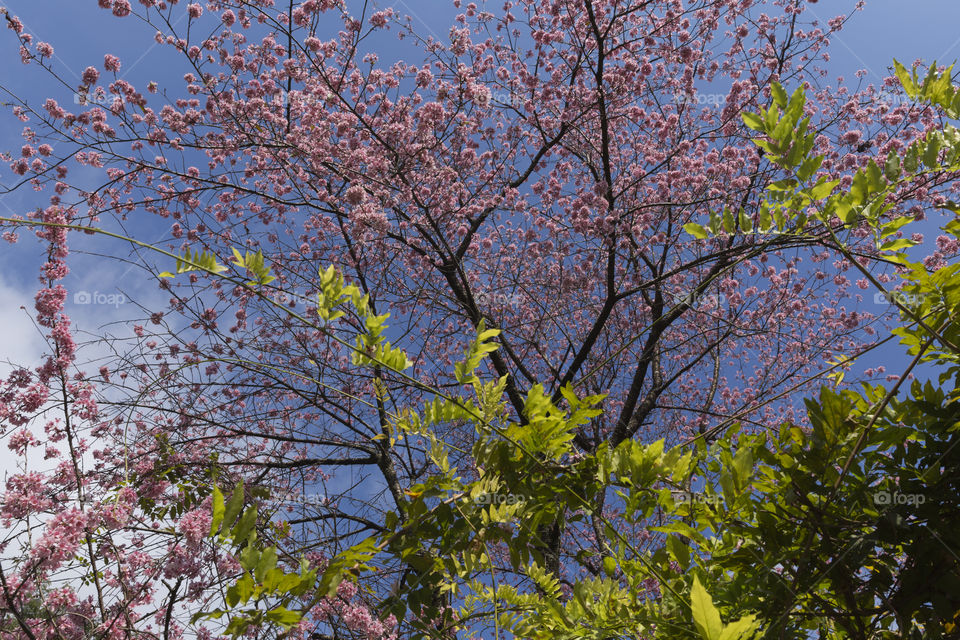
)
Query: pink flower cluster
[
  {"x": 60, "y": 539},
  {"x": 195, "y": 525},
  {"x": 111, "y": 63},
  {"x": 355, "y": 615},
  {"x": 26, "y": 494}
]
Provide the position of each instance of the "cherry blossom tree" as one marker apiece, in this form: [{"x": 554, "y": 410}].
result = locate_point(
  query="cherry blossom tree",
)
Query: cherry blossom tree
[{"x": 532, "y": 171}]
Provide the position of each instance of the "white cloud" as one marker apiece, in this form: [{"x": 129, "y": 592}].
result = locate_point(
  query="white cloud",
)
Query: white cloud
[{"x": 20, "y": 341}]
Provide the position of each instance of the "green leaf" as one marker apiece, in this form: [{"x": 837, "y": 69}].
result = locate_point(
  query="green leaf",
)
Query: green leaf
[
  {"x": 840, "y": 207},
  {"x": 779, "y": 95},
  {"x": 238, "y": 626},
  {"x": 809, "y": 167},
  {"x": 680, "y": 527},
  {"x": 234, "y": 506},
  {"x": 772, "y": 149},
  {"x": 475, "y": 354},
  {"x": 891, "y": 168},
  {"x": 783, "y": 133},
  {"x": 743, "y": 466},
  {"x": 905, "y": 79},
  {"x": 892, "y": 227},
  {"x": 249, "y": 556},
  {"x": 859, "y": 189},
  {"x": 216, "y": 614},
  {"x": 797, "y": 101},
  {"x": 729, "y": 224},
  {"x": 753, "y": 121},
  {"x": 896, "y": 245},
  {"x": 932, "y": 151},
  {"x": 874, "y": 177},
  {"x": 267, "y": 561},
  {"x": 764, "y": 221},
  {"x": 284, "y": 617},
  {"x": 242, "y": 590},
  {"x": 823, "y": 189},
  {"x": 705, "y": 615},
  {"x": 788, "y": 184},
  {"x": 200, "y": 261},
  {"x": 679, "y": 550},
  {"x": 610, "y": 566},
  {"x": 338, "y": 568},
  {"x": 912, "y": 161},
  {"x": 218, "y": 510},
  {"x": 696, "y": 230},
  {"x": 770, "y": 118},
  {"x": 245, "y": 526},
  {"x": 743, "y": 629},
  {"x": 727, "y": 485}
]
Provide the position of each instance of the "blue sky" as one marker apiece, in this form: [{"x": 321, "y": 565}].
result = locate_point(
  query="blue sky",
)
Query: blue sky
[{"x": 887, "y": 29}]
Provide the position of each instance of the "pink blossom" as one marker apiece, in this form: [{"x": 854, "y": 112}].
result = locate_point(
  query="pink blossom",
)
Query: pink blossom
[
  {"x": 121, "y": 8},
  {"x": 182, "y": 562},
  {"x": 852, "y": 137},
  {"x": 13, "y": 22},
  {"x": 90, "y": 75},
  {"x": 111, "y": 63},
  {"x": 21, "y": 440},
  {"x": 25, "y": 494},
  {"x": 379, "y": 19},
  {"x": 195, "y": 525},
  {"x": 355, "y": 195},
  {"x": 424, "y": 77},
  {"x": 49, "y": 302}
]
